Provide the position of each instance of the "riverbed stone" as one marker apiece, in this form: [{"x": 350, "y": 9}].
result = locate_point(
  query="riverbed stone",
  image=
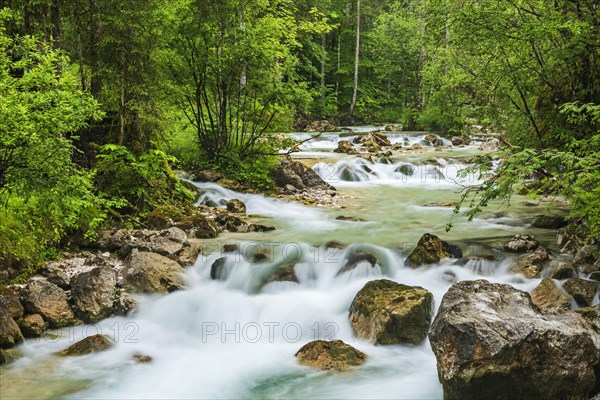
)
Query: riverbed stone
[
  {"x": 330, "y": 355},
  {"x": 533, "y": 264},
  {"x": 285, "y": 273},
  {"x": 491, "y": 342},
  {"x": 386, "y": 312},
  {"x": 582, "y": 290},
  {"x": 217, "y": 269},
  {"x": 189, "y": 254},
  {"x": 91, "y": 344},
  {"x": 431, "y": 250},
  {"x": 48, "y": 300},
  {"x": 8, "y": 356},
  {"x": 32, "y": 326},
  {"x": 521, "y": 244},
  {"x": 147, "y": 272},
  {"x": 296, "y": 174},
  {"x": 548, "y": 295},
  {"x": 94, "y": 293},
  {"x": 587, "y": 258},
  {"x": 207, "y": 176},
  {"x": 345, "y": 147},
  {"x": 236, "y": 206}
]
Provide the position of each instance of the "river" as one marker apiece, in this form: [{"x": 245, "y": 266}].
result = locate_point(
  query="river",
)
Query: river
[{"x": 236, "y": 338}]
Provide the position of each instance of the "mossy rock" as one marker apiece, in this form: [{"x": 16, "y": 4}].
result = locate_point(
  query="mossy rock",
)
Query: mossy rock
[
  {"x": 386, "y": 312},
  {"x": 330, "y": 355},
  {"x": 431, "y": 250}
]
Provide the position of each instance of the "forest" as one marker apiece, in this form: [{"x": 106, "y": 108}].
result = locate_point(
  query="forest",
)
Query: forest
[{"x": 101, "y": 100}]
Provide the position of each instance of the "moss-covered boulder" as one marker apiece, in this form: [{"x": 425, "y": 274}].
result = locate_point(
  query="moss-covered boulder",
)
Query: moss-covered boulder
[
  {"x": 236, "y": 206},
  {"x": 431, "y": 250},
  {"x": 386, "y": 312},
  {"x": 199, "y": 227},
  {"x": 548, "y": 295},
  {"x": 330, "y": 355},
  {"x": 91, "y": 344}
]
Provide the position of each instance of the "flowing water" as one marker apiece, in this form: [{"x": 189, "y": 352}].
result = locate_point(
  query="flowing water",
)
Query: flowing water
[{"x": 236, "y": 337}]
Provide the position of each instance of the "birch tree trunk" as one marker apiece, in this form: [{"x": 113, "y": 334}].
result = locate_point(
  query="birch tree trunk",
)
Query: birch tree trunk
[{"x": 356, "y": 58}]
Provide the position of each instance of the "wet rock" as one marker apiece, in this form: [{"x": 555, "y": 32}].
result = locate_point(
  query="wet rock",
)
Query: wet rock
[
  {"x": 433, "y": 139},
  {"x": 146, "y": 272},
  {"x": 416, "y": 146},
  {"x": 386, "y": 312},
  {"x": 207, "y": 176},
  {"x": 330, "y": 355},
  {"x": 141, "y": 358},
  {"x": 231, "y": 184},
  {"x": 460, "y": 141},
  {"x": 94, "y": 293},
  {"x": 236, "y": 206},
  {"x": 260, "y": 228},
  {"x": 582, "y": 290},
  {"x": 492, "y": 343},
  {"x": 351, "y": 219},
  {"x": 10, "y": 334},
  {"x": 231, "y": 247},
  {"x": 549, "y": 222},
  {"x": 9, "y": 301},
  {"x": 167, "y": 242},
  {"x": 48, "y": 300},
  {"x": 125, "y": 303},
  {"x": 561, "y": 270},
  {"x": 548, "y": 295},
  {"x": 233, "y": 223},
  {"x": 189, "y": 254},
  {"x": 91, "y": 344},
  {"x": 431, "y": 250},
  {"x": 491, "y": 145},
  {"x": 285, "y": 273},
  {"x": 521, "y": 244},
  {"x": 406, "y": 169},
  {"x": 345, "y": 147},
  {"x": 570, "y": 239},
  {"x": 296, "y": 174},
  {"x": 32, "y": 326},
  {"x": 333, "y": 244},
  {"x": 7, "y": 356},
  {"x": 392, "y": 128},
  {"x": 199, "y": 227},
  {"x": 533, "y": 264},
  {"x": 217, "y": 269}
]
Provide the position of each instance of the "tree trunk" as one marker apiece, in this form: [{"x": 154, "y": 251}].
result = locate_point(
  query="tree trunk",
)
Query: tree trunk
[
  {"x": 55, "y": 17},
  {"x": 356, "y": 58},
  {"x": 95, "y": 85},
  {"x": 339, "y": 62},
  {"x": 323, "y": 63},
  {"x": 121, "y": 137}
]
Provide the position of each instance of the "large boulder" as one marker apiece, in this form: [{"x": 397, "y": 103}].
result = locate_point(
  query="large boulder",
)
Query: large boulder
[
  {"x": 570, "y": 238},
  {"x": 491, "y": 342},
  {"x": 10, "y": 334},
  {"x": 207, "y": 176},
  {"x": 91, "y": 344},
  {"x": 491, "y": 145},
  {"x": 582, "y": 290},
  {"x": 330, "y": 355},
  {"x": 94, "y": 293},
  {"x": 587, "y": 258},
  {"x": 167, "y": 242},
  {"x": 321, "y": 126},
  {"x": 561, "y": 270},
  {"x": 549, "y": 222},
  {"x": 431, "y": 250},
  {"x": 296, "y": 174},
  {"x": 48, "y": 300},
  {"x": 146, "y": 272},
  {"x": 386, "y": 312},
  {"x": 548, "y": 295},
  {"x": 532, "y": 264},
  {"x": 521, "y": 244}
]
